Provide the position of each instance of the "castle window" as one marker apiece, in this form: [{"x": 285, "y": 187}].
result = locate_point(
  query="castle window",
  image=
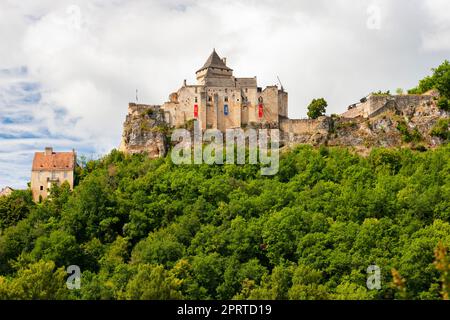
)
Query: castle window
[
  {"x": 226, "y": 90},
  {"x": 225, "y": 99},
  {"x": 196, "y": 100},
  {"x": 209, "y": 98},
  {"x": 42, "y": 188}
]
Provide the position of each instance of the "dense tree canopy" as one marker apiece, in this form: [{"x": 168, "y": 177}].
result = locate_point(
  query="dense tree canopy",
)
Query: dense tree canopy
[{"x": 148, "y": 229}]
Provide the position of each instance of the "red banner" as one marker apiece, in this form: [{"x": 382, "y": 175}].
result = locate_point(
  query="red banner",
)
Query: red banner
[
  {"x": 260, "y": 110},
  {"x": 195, "y": 110}
]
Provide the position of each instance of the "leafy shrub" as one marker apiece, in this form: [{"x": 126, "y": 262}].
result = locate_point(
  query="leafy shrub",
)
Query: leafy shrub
[{"x": 441, "y": 129}]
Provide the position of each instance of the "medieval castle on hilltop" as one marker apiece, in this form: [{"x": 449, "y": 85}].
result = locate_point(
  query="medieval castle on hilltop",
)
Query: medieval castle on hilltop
[{"x": 222, "y": 101}]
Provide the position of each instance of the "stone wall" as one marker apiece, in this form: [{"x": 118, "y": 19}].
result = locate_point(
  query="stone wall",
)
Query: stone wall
[
  {"x": 305, "y": 126},
  {"x": 376, "y": 104}
]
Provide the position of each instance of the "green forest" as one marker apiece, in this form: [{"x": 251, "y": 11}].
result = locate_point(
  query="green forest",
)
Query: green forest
[{"x": 149, "y": 229}]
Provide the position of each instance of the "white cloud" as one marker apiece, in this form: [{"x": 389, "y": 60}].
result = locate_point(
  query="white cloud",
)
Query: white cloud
[
  {"x": 438, "y": 37},
  {"x": 89, "y": 57}
]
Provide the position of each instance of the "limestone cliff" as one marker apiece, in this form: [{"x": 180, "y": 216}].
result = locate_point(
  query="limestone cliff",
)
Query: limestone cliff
[
  {"x": 410, "y": 126},
  {"x": 144, "y": 130}
]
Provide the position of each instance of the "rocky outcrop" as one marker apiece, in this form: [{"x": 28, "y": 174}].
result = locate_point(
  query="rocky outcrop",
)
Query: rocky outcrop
[
  {"x": 394, "y": 125},
  {"x": 145, "y": 131},
  {"x": 392, "y": 128}
]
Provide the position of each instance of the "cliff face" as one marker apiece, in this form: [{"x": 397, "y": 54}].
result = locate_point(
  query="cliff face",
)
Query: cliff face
[
  {"x": 391, "y": 128},
  {"x": 144, "y": 130}
]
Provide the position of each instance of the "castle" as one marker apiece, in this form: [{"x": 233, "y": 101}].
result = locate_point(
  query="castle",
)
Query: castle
[{"x": 222, "y": 101}]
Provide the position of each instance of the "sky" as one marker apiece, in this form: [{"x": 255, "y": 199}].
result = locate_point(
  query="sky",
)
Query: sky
[{"x": 68, "y": 69}]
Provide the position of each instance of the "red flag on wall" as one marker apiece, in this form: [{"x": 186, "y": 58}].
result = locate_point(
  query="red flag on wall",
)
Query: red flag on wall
[
  {"x": 195, "y": 110},
  {"x": 260, "y": 110}
]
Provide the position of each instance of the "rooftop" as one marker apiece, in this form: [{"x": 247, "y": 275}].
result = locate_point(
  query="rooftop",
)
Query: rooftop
[
  {"x": 214, "y": 61},
  {"x": 49, "y": 160}
]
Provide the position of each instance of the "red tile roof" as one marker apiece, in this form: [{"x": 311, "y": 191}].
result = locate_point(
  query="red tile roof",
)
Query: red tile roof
[{"x": 54, "y": 161}]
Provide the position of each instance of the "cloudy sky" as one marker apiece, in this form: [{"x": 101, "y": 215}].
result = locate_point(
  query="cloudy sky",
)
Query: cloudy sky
[{"x": 69, "y": 68}]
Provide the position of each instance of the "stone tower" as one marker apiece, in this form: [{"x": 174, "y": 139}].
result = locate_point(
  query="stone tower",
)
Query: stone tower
[{"x": 215, "y": 72}]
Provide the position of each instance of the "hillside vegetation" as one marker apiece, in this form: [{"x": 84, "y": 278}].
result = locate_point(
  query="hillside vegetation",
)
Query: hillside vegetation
[{"x": 148, "y": 229}]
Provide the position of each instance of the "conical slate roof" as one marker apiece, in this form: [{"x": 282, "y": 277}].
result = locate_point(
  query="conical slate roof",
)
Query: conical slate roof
[{"x": 214, "y": 61}]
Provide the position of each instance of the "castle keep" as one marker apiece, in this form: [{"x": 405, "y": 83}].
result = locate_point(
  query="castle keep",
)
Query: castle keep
[{"x": 221, "y": 101}]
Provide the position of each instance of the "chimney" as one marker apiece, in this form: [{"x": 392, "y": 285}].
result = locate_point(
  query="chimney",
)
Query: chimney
[
  {"x": 184, "y": 83},
  {"x": 224, "y": 60},
  {"x": 48, "y": 151}
]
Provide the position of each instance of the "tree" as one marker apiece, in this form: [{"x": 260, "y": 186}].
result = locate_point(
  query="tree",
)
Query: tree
[
  {"x": 15, "y": 207},
  {"x": 441, "y": 77},
  {"x": 443, "y": 104},
  {"x": 317, "y": 108},
  {"x": 442, "y": 264},
  {"x": 441, "y": 129},
  {"x": 37, "y": 281},
  {"x": 440, "y": 80},
  {"x": 153, "y": 283}
]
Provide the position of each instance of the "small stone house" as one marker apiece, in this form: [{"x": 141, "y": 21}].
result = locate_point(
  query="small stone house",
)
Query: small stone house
[{"x": 51, "y": 167}]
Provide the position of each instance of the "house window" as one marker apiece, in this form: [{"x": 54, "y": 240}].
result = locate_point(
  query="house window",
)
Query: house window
[
  {"x": 53, "y": 175},
  {"x": 42, "y": 188},
  {"x": 226, "y": 90},
  {"x": 246, "y": 90},
  {"x": 209, "y": 98},
  {"x": 195, "y": 99},
  {"x": 195, "y": 89},
  {"x": 65, "y": 174},
  {"x": 225, "y": 99}
]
